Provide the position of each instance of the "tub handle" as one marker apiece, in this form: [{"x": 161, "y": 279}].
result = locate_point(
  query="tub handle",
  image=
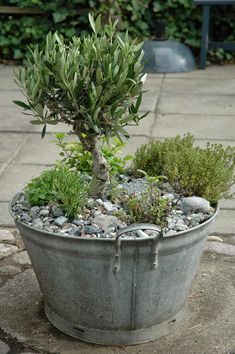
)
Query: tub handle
[{"x": 157, "y": 235}]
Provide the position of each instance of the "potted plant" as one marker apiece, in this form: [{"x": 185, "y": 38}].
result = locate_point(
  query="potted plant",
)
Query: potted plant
[{"x": 110, "y": 268}]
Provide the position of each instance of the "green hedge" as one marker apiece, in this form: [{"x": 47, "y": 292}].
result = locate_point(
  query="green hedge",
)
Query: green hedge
[{"x": 182, "y": 18}]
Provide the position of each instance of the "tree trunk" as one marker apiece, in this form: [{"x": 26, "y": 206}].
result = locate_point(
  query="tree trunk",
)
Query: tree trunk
[{"x": 100, "y": 170}]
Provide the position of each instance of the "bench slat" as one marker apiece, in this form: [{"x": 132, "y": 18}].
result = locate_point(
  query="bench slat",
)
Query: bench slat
[
  {"x": 10, "y": 10},
  {"x": 214, "y": 2}
]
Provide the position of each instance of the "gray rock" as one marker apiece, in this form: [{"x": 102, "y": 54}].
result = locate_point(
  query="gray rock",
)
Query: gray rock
[
  {"x": 106, "y": 221},
  {"x": 97, "y": 212},
  {"x": 195, "y": 205},
  {"x": 108, "y": 206},
  {"x": 181, "y": 227},
  {"x": 25, "y": 218},
  {"x": 77, "y": 233},
  {"x": 91, "y": 229},
  {"x": 136, "y": 186},
  {"x": 141, "y": 234},
  {"x": 9, "y": 270},
  {"x": 34, "y": 212},
  {"x": 61, "y": 221},
  {"x": 44, "y": 212},
  {"x": 99, "y": 201},
  {"x": 69, "y": 228},
  {"x": 78, "y": 222},
  {"x": 221, "y": 248},
  {"x": 6, "y": 250},
  {"x": 6, "y": 236},
  {"x": 21, "y": 258},
  {"x": 57, "y": 211},
  {"x": 38, "y": 223},
  {"x": 4, "y": 349},
  {"x": 197, "y": 218}
]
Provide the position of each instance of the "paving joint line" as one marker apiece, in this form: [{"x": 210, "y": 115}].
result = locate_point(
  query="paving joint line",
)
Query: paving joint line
[{"x": 156, "y": 106}]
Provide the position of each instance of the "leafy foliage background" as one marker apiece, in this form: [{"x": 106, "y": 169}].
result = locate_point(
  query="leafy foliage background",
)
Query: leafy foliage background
[{"x": 182, "y": 19}]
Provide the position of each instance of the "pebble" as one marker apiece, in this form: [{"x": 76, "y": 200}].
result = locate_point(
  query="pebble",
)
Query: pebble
[
  {"x": 99, "y": 201},
  {"x": 6, "y": 250},
  {"x": 44, "y": 212},
  {"x": 4, "y": 349},
  {"x": 34, "y": 211},
  {"x": 78, "y": 222},
  {"x": 61, "y": 221},
  {"x": 106, "y": 221},
  {"x": 57, "y": 211},
  {"x": 108, "y": 206},
  {"x": 97, "y": 219},
  {"x": 21, "y": 258},
  {"x": 69, "y": 228},
  {"x": 90, "y": 229},
  {"x": 142, "y": 234},
  {"x": 9, "y": 270},
  {"x": 195, "y": 205},
  {"x": 38, "y": 223},
  {"x": 6, "y": 236},
  {"x": 215, "y": 238}
]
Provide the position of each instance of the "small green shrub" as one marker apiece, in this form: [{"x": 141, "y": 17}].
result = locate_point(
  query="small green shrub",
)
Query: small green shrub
[
  {"x": 75, "y": 156},
  {"x": 60, "y": 185},
  {"x": 207, "y": 172}
]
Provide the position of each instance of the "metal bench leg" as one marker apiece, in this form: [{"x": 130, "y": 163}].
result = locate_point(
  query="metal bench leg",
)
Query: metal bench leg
[{"x": 205, "y": 36}]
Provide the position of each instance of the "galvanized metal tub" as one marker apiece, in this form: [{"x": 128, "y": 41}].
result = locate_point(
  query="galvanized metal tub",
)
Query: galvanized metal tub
[{"x": 123, "y": 291}]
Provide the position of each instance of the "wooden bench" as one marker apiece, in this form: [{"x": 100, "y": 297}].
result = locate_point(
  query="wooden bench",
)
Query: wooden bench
[
  {"x": 206, "y": 44},
  {"x": 14, "y": 10}
]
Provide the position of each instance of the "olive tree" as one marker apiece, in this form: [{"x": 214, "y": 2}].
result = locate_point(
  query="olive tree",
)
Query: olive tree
[{"x": 93, "y": 84}]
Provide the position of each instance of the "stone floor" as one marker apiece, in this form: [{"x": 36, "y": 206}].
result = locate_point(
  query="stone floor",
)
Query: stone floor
[{"x": 200, "y": 102}]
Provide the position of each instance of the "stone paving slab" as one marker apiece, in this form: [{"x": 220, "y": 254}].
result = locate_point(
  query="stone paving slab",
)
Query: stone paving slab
[
  {"x": 198, "y": 86},
  {"x": 204, "y": 330},
  {"x": 5, "y": 218},
  {"x": 144, "y": 127},
  {"x": 211, "y": 72},
  {"x": 224, "y": 223},
  {"x": 133, "y": 145},
  {"x": 12, "y": 120},
  {"x": 169, "y": 125},
  {"x": 15, "y": 177},
  {"x": 149, "y": 102},
  {"x": 201, "y": 105},
  {"x": 7, "y": 96},
  {"x": 10, "y": 143},
  {"x": 38, "y": 151}
]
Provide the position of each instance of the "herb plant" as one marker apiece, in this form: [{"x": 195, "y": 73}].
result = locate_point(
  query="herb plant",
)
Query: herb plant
[
  {"x": 93, "y": 84},
  {"x": 206, "y": 172},
  {"x": 60, "y": 185}
]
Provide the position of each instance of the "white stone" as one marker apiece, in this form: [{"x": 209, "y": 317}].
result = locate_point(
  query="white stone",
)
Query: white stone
[
  {"x": 6, "y": 250},
  {"x": 6, "y": 236},
  {"x": 108, "y": 206},
  {"x": 22, "y": 258},
  {"x": 215, "y": 238},
  {"x": 142, "y": 234},
  {"x": 195, "y": 205},
  {"x": 4, "y": 349}
]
